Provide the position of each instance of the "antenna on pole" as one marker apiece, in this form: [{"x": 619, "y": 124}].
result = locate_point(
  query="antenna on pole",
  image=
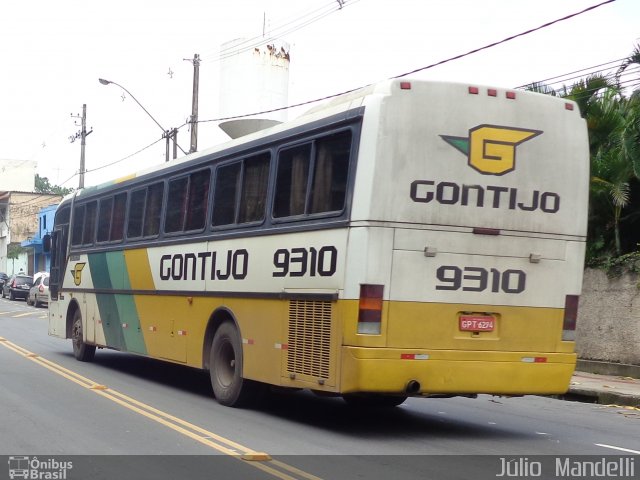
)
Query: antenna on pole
[{"x": 82, "y": 134}]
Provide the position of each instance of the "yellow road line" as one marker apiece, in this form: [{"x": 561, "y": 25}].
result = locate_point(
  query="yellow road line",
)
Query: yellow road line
[
  {"x": 22, "y": 315},
  {"x": 199, "y": 434}
]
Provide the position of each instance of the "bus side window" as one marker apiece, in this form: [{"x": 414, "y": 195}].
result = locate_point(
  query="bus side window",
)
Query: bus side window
[
  {"x": 197, "y": 202},
  {"x": 291, "y": 182},
  {"x": 254, "y": 188},
  {"x": 117, "y": 222},
  {"x": 89, "y": 232},
  {"x": 176, "y": 205},
  {"x": 153, "y": 209},
  {"x": 325, "y": 191},
  {"x": 329, "y": 185},
  {"x": 241, "y": 191},
  {"x": 78, "y": 225},
  {"x": 224, "y": 199},
  {"x": 136, "y": 213},
  {"x": 104, "y": 219}
]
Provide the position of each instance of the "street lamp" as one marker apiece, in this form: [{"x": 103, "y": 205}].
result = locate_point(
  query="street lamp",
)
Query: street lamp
[{"x": 165, "y": 132}]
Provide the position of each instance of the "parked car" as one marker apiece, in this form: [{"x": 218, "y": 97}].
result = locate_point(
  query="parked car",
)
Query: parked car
[
  {"x": 3, "y": 278},
  {"x": 39, "y": 293},
  {"x": 17, "y": 287}
]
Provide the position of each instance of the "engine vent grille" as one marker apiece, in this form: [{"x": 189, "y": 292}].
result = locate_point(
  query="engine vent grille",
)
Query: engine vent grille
[{"x": 309, "y": 351}]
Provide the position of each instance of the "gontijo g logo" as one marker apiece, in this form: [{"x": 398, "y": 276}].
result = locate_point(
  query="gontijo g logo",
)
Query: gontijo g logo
[
  {"x": 491, "y": 149},
  {"x": 76, "y": 273}
]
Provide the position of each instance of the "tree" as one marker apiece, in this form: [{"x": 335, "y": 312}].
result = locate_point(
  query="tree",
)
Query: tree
[
  {"x": 14, "y": 250},
  {"x": 43, "y": 186},
  {"x": 613, "y": 122}
]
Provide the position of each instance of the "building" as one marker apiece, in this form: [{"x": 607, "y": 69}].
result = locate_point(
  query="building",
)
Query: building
[
  {"x": 39, "y": 260},
  {"x": 21, "y": 221},
  {"x": 253, "y": 79}
]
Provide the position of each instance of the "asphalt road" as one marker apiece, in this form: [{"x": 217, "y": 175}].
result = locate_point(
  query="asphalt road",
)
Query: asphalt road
[{"x": 122, "y": 405}]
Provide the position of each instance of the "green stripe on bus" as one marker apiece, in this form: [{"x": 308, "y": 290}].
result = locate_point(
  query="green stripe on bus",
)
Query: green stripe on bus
[{"x": 120, "y": 320}]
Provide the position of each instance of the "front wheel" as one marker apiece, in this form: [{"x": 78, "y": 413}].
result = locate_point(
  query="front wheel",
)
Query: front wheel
[
  {"x": 225, "y": 369},
  {"x": 81, "y": 350}
]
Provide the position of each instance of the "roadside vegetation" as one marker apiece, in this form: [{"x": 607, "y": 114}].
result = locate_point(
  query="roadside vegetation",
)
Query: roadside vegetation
[{"x": 611, "y": 108}]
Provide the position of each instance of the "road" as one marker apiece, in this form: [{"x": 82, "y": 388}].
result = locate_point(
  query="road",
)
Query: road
[{"x": 121, "y": 405}]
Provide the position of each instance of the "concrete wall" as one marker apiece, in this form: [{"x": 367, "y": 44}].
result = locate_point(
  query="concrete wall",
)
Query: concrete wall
[{"x": 609, "y": 318}]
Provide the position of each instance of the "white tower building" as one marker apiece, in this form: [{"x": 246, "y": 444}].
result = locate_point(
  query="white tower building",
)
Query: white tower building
[{"x": 253, "y": 79}]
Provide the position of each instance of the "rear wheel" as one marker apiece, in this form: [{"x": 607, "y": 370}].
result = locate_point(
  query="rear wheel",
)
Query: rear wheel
[
  {"x": 225, "y": 369},
  {"x": 81, "y": 350},
  {"x": 374, "y": 401}
]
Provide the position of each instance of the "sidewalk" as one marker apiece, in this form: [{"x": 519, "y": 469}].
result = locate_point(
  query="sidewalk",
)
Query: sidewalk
[{"x": 604, "y": 389}]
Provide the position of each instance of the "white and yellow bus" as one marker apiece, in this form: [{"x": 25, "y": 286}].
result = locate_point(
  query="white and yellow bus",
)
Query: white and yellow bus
[{"x": 408, "y": 239}]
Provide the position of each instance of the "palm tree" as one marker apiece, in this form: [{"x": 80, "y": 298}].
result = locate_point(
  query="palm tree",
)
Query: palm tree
[
  {"x": 613, "y": 121},
  {"x": 632, "y": 59}
]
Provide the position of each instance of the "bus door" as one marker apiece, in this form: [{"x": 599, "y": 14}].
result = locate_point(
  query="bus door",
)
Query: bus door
[{"x": 57, "y": 317}]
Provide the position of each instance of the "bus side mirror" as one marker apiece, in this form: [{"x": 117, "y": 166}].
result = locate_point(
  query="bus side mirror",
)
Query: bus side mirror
[{"x": 46, "y": 243}]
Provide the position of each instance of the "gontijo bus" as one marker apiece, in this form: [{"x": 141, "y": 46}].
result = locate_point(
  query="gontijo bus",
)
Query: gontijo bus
[{"x": 410, "y": 238}]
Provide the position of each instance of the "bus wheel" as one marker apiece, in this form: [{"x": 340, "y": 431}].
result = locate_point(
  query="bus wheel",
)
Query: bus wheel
[
  {"x": 374, "y": 401},
  {"x": 225, "y": 369},
  {"x": 81, "y": 350}
]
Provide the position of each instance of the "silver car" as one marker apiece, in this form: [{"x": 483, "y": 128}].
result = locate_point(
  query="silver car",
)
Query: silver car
[{"x": 39, "y": 293}]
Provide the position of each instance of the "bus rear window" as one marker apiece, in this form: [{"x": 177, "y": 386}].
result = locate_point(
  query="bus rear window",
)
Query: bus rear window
[{"x": 299, "y": 193}]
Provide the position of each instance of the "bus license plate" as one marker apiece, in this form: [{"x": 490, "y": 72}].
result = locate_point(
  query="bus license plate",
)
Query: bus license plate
[{"x": 476, "y": 323}]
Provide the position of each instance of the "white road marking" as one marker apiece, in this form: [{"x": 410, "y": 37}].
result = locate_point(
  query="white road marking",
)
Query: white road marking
[{"x": 618, "y": 448}]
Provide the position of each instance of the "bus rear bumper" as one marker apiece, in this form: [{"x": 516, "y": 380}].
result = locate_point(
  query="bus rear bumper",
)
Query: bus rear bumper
[{"x": 424, "y": 372}]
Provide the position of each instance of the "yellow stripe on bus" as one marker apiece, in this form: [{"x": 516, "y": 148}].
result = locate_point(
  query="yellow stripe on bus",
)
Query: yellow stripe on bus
[{"x": 139, "y": 269}]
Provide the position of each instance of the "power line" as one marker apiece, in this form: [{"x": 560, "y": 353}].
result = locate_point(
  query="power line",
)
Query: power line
[
  {"x": 505, "y": 40},
  {"x": 278, "y": 31},
  {"x": 123, "y": 159},
  {"x": 450, "y": 59},
  {"x": 328, "y": 97},
  {"x": 574, "y": 72}
]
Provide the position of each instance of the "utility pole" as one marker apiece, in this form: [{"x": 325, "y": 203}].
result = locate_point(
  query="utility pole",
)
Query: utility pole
[
  {"x": 171, "y": 135},
  {"x": 168, "y": 134},
  {"x": 82, "y": 134},
  {"x": 194, "y": 103}
]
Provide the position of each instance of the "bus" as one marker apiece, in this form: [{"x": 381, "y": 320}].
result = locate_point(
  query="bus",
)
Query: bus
[{"x": 408, "y": 239}]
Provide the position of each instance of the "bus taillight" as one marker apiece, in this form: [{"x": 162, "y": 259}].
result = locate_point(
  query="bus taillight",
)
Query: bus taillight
[
  {"x": 570, "y": 317},
  {"x": 370, "y": 309}
]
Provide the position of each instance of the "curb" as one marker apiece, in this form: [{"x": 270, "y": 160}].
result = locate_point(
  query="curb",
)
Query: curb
[{"x": 600, "y": 397}]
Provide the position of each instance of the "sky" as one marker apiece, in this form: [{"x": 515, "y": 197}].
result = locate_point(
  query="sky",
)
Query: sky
[{"x": 53, "y": 53}]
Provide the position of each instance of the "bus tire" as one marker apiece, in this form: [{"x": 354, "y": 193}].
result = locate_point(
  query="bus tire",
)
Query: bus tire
[
  {"x": 374, "y": 401},
  {"x": 81, "y": 350},
  {"x": 225, "y": 369}
]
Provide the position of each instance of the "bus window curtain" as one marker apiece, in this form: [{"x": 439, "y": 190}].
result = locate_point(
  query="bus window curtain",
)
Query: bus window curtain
[
  {"x": 299, "y": 176},
  {"x": 254, "y": 192},
  {"x": 321, "y": 192}
]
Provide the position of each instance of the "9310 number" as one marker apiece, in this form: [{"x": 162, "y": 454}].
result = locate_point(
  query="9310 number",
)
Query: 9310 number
[
  {"x": 299, "y": 262},
  {"x": 477, "y": 279}
]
